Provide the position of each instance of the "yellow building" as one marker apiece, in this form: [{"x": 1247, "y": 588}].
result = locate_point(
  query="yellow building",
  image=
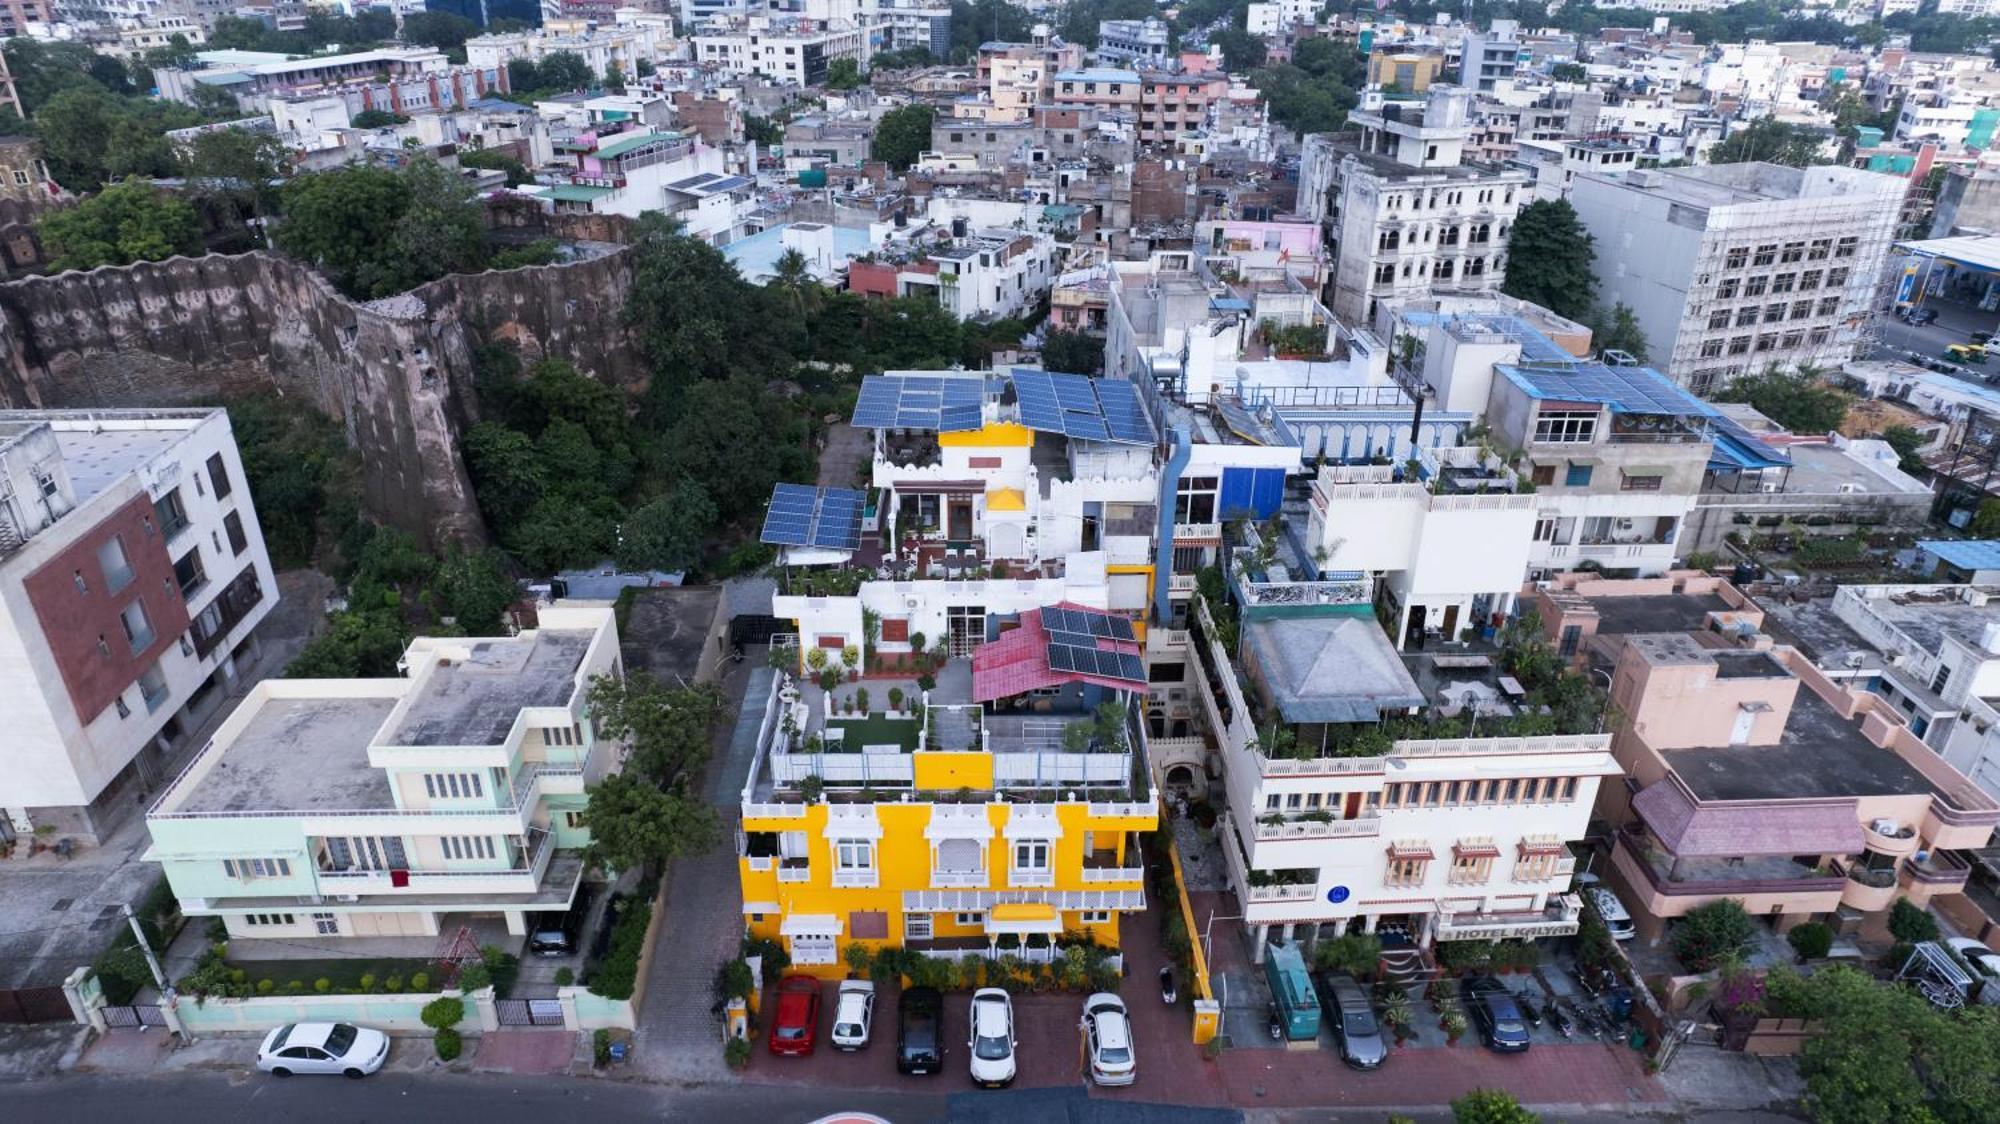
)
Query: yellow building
[{"x": 975, "y": 822}]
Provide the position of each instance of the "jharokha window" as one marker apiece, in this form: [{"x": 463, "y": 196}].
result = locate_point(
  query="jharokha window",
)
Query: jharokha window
[
  {"x": 1472, "y": 861},
  {"x": 1409, "y": 864},
  {"x": 1536, "y": 857}
]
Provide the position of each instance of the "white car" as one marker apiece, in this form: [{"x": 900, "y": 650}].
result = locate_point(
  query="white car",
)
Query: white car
[
  {"x": 1109, "y": 1033},
  {"x": 1985, "y": 964},
  {"x": 992, "y": 1038},
  {"x": 853, "y": 1014},
  {"x": 343, "y": 1048}
]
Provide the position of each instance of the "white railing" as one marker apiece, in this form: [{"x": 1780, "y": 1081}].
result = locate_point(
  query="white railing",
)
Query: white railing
[
  {"x": 1197, "y": 532},
  {"x": 1113, "y": 874},
  {"x": 1031, "y": 878},
  {"x": 774, "y": 811},
  {"x": 843, "y": 768},
  {"x": 1359, "y": 827},
  {"x": 1051, "y": 769},
  {"x": 957, "y": 879},
  {"x": 1291, "y": 893},
  {"x": 857, "y": 879},
  {"x": 1181, "y": 583},
  {"x": 1319, "y": 766},
  {"x": 1120, "y": 809},
  {"x": 794, "y": 873},
  {"x": 1359, "y": 591},
  {"x": 1475, "y": 747},
  {"x": 1167, "y": 639}
]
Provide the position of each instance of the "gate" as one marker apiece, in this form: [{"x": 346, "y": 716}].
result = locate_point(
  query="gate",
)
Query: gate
[
  {"x": 753, "y": 628},
  {"x": 529, "y": 1012},
  {"x": 138, "y": 1014},
  {"x": 34, "y": 1005}
]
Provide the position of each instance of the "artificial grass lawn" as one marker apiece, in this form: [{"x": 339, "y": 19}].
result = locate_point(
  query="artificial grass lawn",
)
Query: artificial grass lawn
[{"x": 876, "y": 729}]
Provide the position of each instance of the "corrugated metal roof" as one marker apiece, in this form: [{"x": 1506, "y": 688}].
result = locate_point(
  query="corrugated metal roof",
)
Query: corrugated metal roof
[
  {"x": 1966, "y": 554},
  {"x": 1627, "y": 390},
  {"x": 577, "y": 193}
]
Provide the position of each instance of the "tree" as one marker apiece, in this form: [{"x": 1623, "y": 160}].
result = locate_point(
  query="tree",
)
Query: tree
[
  {"x": 474, "y": 589},
  {"x": 667, "y": 732},
  {"x": 1906, "y": 442},
  {"x": 696, "y": 318},
  {"x": 523, "y": 76},
  {"x": 1797, "y": 400},
  {"x": 91, "y": 137},
  {"x": 1569, "y": 72},
  {"x": 1771, "y": 141},
  {"x": 902, "y": 134},
  {"x": 1549, "y": 255},
  {"x": 1986, "y": 520},
  {"x": 843, "y": 74},
  {"x": 1620, "y": 331},
  {"x": 718, "y": 422},
  {"x": 506, "y": 473},
  {"x": 376, "y": 232},
  {"x": 1811, "y": 940},
  {"x": 1075, "y": 352},
  {"x": 634, "y": 824},
  {"x": 493, "y": 159},
  {"x": 668, "y": 533},
  {"x": 443, "y": 226},
  {"x": 41, "y": 69},
  {"x": 1911, "y": 923},
  {"x": 792, "y": 275},
  {"x": 1883, "y": 1053},
  {"x": 124, "y": 223},
  {"x": 1709, "y": 934},
  {"x": 447, "y": 31},
  {"x": 1490, "y": 1106},
  {"x": 237, "y": 168},
  {"x": 1241, "y": 50},
  {"x": 564, "y": 70},
  {"x": 377, "y": 119}
]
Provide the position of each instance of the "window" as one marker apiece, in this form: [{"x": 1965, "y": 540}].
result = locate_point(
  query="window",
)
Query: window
[
  {"x": 1791, "y": 340},
  {"x": 1809, "y": 280},
  {"x": 1471, "y": 867},
  {"x": 1572, "y": 635},
  {"x": 1573, "y": 427},
  {"x": 1847, "y": 247},
  {"x": 1793, "y": 251},
  {"x": 1829, "y": 305},
  {"x": 1726, "y": 289},
  {"x": 1765, "y": 255},
  {"x": 1578, "y": 476},
  {"x": 1784, "y": 282},
  {"x": 968, "y": 920},
  {"x": 854, "y": 854},
  {"x": 575, "y": 820},
  {"x": 916, "y": 926},
  {"x": 1406, "y": 870},
  {"x": 1938, "y": 681},
  {"x": 233, "y": 524},
  {"x": 468, "y": 846},
  {"x": 267, "y": 919},
  {"x": 113, "y": 564},
  {"x": 1095, "y": 917},
  {"x": 1545, "y": 530},
  {"x": 138, "y": 629},
  {"x": 1031, "y": 855},
  {"x": 1801, "y": 309},
  {"x": 1719, "y": 318},
  {"x": 1711, "y": 349},
  {"x": 1819, "y": 248},
  {"x": 171, "y": 514},
  {"x": 1737, "y": 258},
  {"x": 325, "y": 924},
  {"x": 247, "y": 869},
  {"x": 153, "y": 687},
  {"x": 1773, "y": 313},
  {"x": 1767, "y": 343},
  {"x": 1746, "y": 316},
  {"x": 366, "y": 852},
  {"x": 453, "y": 786},
  {"x": 1836, "y": 278},
  {"x": 188, "y": 572},
  {"x": 1755, "y": 286},
  {"x": 218, "y": 477}
]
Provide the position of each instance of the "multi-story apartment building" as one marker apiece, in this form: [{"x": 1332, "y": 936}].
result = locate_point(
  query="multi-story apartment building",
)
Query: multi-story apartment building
[
  {"x": 132, "y": 576},
  {"x": 1733, "y": 268},
  {"x": 1173, "y": 102},
  {"x": 623, "y": 46},
  {"x": 1133, "y": 42},
  {"x": 1018, "y": 77},
  {"x": 1270, "y": 17},
  {"x": 338, "y": 808},
  {"x": 1404, "y": 215},
  {"x": 414, "y": 79},
  {"x": 784, "y": 49},
  {"x": 1488, "y": 58},
  {"x": 978, "y": 258},
  {"x": 640, "y": 170},
  {"x": 1749, "y": 773},
  {"x": 1409, "y": 69}
]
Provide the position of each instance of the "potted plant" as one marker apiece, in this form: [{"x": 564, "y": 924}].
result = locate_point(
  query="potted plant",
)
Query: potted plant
[
  {"x": 896, "y": 700},
  {"x": 1396, "y": 1012},
  {"x": 1454, "y": 1027},
  {"x": 1439, "y": 993}
]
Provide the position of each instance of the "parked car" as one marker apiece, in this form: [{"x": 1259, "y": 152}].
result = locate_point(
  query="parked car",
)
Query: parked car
[
  {"x": 1108, "y": 1031},
  {"x": 354, "y": 1051},
  {"x": 1985, "y": 964},
  {"x": 1497, "y": 1014},
  {"x": 992, "y": 1040},
  {"x": 796, "y": 1023},
  {"x": 557, "y": 934},
  {"x": 919, "y": 1031},
  {"x": 853, "y": 1014},
  {"x": 1354, "y": 1022},
  {"x": 1612, "y": 912},
  {"x": 1919, "y": 316}
]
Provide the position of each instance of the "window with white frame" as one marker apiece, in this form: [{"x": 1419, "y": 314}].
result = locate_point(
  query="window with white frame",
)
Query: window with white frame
[
  {"x": 454, "y": 786},
  {"x": 854, "y": 855},
  {"x": 468, "y": 846},
  {"x": 1031, "y": 856},
  {"x": 958, "y": 856},
  {"x": 325, "y": 924},
  {"x": 813, "y": 948},
  {"x": 1095, "y": 917},
  {"x": 365, "y": 852},
  {"x": 248, "y": 869},
  {"x": 968, "y": 920},
  {"x": 916, "y": 926},
  {"x": 1566, "y": 427}
]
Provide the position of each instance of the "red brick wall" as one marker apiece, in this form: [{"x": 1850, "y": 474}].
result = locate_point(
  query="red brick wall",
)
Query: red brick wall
[
  {"x": 73, "y": 620},
  {"x": 872, "y": 279}
]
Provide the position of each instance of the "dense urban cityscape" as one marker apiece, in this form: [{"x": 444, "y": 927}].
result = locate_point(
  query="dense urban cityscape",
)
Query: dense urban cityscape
[{"x": 859, "y": 560}]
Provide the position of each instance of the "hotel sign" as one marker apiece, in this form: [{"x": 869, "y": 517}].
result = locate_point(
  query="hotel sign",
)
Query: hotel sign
[{"x": 1518, "y": 930}]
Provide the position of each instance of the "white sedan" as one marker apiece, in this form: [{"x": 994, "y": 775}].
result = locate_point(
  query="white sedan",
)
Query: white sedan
[
  {"x": 853, "y": 1014},
  {"x": 354, "y": 1051},
  {"x": 1109, "y": 1032}
]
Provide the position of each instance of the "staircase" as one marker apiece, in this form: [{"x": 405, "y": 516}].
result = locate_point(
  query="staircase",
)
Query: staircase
[{"x": 1406, "y": 967}]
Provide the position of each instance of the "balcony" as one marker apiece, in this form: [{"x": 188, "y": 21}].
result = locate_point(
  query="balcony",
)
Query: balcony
[
  {"x": 1283, "y": 892},
  {"x": 1751, "y": 874},
  {"x": 958, "y": 879},
  {"x": 1560, "y": 918},
  {"x": 1104, "y": 865},
  {"x": 1940, "y": 872},
  {"x": 1031, "y": 878},
  {"x": 866, "y": 879},
  {"x": 1868, "y": 888},
  {"x": 524, "y": 876},
  {"x": 1277, "y": 827},
  {"x": 794, "y": 870},
  {"x": 1899, "y": 839},
  {"x": 236, "y": 601}
]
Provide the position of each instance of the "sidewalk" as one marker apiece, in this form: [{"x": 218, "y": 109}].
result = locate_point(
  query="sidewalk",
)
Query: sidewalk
[{"x": 151, "y": 1051}]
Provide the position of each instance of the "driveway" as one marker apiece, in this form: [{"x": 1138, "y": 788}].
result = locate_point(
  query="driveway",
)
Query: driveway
[{"x": 847, "y": 457}]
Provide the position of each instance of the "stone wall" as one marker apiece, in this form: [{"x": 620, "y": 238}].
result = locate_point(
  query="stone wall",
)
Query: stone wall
[{"x": 397, "y": 373}]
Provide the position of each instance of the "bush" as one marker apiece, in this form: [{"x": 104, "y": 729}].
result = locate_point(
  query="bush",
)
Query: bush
[
  {"x": 619, "y": 973},
  {"x": 773, "y": 957},
  {"x": 443, "y": 1012},
  {"x": 266, "y": 986},
  {"x": 600, "y": 1046},
  {"x": 1811, "y": 940},
  {"x": 448, "y": 1044},
  {"x": 1710, "y": 934},
  {"x": 503, "y": 967},
  {"x": 1464, "y": 956},
  {"x": 1490, "y": 1106},
  {"x": 857, "y": 956},
  {"x": 734, "y": 979},
  {"x": 322, "y": 985},
  {"x": 565, "y": 977},
  {"x": 1911, "y": 924},
  {"x": 295, "y": 987},
  {"x": 737, "y": 1053},
  {"x": 1355, "y": 954},
  {"x": 473, "y": 977},
  {"x": 393, "y": 985},
  {"x": 368, "y": 982},
  {"x": 420, "y": 981}
]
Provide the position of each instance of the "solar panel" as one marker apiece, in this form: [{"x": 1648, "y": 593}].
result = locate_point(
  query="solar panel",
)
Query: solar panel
[
  {"x": 1124, "y": 413},
  {"x": 945, "y": 405},
  {"x": 1078, "y": 406},
  {"x": 804, "y": 516},
  {"x": 1062, "y": 658},
  {"x": 1077, "y": 639}
]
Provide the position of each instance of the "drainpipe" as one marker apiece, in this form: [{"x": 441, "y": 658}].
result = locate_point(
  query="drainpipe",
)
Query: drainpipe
[{"x": 1163, "y": 552}]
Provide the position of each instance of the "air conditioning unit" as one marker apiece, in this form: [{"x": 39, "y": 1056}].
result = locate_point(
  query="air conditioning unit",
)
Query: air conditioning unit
[
  {"x": 347, "y": 897},
  {"x": 1856, "y": 659},
  {"x": 1849, "y": 489},
  {"x": 1770, "y": 486}
]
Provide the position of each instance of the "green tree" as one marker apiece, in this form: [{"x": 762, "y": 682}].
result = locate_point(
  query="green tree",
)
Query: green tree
[
  {"x": 564, "y": 70},
  {"x": 1549, "y": 256},
  {"x": 473, "y": 588},
  {"x": 1911, "y": 923},
  {"x": 443, "y": 225},
  {"x": 523, "y": 76},
  {"x": 1883, "y": 1053},
  {"x": 1620, "y": 331},
  {"x": 377, "y": 119},
  {"x": 721, "y": 419},
  {"x": 668, "y": 732},
  {"x": 1241, "y": 50},
  {"x": 1490, "y": 1106},
  {"x": 506, "y": 473},
  {"x": 1797, "y": 400},
  {"x": 1771, "y": 141},
  {"x": 356, "y": 644},
  {"x": 493, "y": 159},
  {"x": 902, "y": 134},
  {"x": 1709, "y": 934},
  {"x": 376, "y": 232},
  {"x": 91, "y": 136},
  {"x": 1076, "y": 352},
  {"x": 843, "y": 74},
  {"x": 696, "y": 318},
  {"x": 1569, "y": 72},
  {"x": 634, "y": 824},
  {"x": 669, "y": 532},
  {"x": 1986, "y": 520},
  {"x": 124, "y": 223},
  {"x": 1906, "y": 442},
  {"x": 447, "y": 31},
  {"x": 298, "y": 466},
  {"x": 237, "y": 170},
  {"x": 41, "y": 69}
]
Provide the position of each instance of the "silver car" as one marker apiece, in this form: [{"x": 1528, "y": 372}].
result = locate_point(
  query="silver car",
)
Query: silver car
[
  {"x": 1354, "y": 1022},
  {"x": 1108, "y": 1031}
]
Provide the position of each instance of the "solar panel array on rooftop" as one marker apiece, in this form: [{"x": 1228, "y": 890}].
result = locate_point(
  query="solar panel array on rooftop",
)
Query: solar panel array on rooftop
[
  {"x": 1073, "y": 644},
  {"x": 946, "y": 405},
  {"x": 1093, "y": 661},
  {"x": 1081, "y": 407},
  {"x": 1627, "y": 390},
  {"x": 804, "y": 516}
]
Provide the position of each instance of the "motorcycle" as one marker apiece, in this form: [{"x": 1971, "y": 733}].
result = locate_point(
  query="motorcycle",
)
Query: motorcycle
[
  {"x": 1276, "y": 1024},
  {"x": 1167, "y": 993},
  {"x": 1559, "y": 1020},
  {"x": 1529, "y": 1010}
]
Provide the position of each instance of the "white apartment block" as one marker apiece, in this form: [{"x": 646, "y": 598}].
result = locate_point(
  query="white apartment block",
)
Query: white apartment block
[
  {"x": 1405, "y": 215},
  {"x": 635, "y": 172},
  {"x": 1270, "y": 17},
  {"x": 784, "y": 50},
  {"x": 1737, "y": 267},
  {"x": 1488, "y": 58},
  {"x": 623, "y": 46},
  {"x": 132, "y": 576},
  {"x": 1129, "y": 43}
]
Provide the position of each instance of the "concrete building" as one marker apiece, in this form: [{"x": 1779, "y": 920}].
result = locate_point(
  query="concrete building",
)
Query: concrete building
[
  {"x": 1968, "y": 202},
  {"x": 1018, "y": 77},
  {"x": 1412, "y": 70},
  {"x": 1133, "y": 42},
  {"x": 1751, "y": 774},
  {"x": 1733, "y": 268},
  {"x": 1404, "y": 214},
  {"x": 623, "y": 46},
  {"x": 783, "y": 49},
  {"x": 1488, "y": 58},
  {"x": 1804, "y": 486},
  {"x": 417, "y": 78},
  {"x": 640, "y": 170},
  {"x": 132, "y": 577},
  {"x": 328, "y": 809}
]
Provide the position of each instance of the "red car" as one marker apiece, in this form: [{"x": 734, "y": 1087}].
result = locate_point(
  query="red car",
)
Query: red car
[{"x": 795, "y": 1027}]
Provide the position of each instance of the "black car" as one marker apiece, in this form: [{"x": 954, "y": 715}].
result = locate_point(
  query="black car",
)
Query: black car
[
  {"x": 1920, "y": 316},
  {"x": 920, "y": 1031},
  {"x": 1496, "y": 1013},
  {"x": 557, "y": 934}
]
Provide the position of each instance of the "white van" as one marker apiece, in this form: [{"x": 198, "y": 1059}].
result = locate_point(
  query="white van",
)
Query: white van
[{"x": 1612, "y": 912}]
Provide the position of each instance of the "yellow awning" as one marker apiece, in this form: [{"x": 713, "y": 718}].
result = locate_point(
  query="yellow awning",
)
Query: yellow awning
[
  {"x": 1006, "y": 499},
  {"x": 1023, "y": 917}
]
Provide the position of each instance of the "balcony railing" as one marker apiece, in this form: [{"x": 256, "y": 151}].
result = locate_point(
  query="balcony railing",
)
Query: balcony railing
[
  {"x": 1875, "y": 878},
  {"x": 1256, "y": 594},
  {"x": 1940, "y": 869},
  {"x": 235, "y": 602},
  {"x": 957, "y": 879},
  {"x": 1361, "y": 827},
  {"x": 1289, "y": 892},
  {"x": 857, "y": 879},
  {"x": 1031, "y": 878},
  {"x": 1560, "y": 918},
  {"x": 789, "y": 872}
]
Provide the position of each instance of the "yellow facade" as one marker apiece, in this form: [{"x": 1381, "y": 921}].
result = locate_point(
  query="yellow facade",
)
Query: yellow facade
[
  {"x": 903, "y": 857},
  {"x": 993, "y": 435}
]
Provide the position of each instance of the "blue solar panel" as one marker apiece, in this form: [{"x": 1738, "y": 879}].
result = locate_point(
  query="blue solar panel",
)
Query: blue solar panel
[
  {"x": 1062, "y": 657},
  {"x": 804, "y": 516},
  {"x": 1627, "y": 390},
  {"x": 1124, "y": 413},
  {"x": 1088, "y": 409},
  {"x": 945, "y": 405}
]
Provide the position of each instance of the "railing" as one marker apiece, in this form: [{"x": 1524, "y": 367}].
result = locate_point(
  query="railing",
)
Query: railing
[
  {"x": 1031, "y": 878},
  {"x": 794, "y": 873},
  {"x": 1181, "y": 583},
  {"x": 241, "y": 595},
  {"x": 1319, "y": 766},
  {"x": 1359, "y": 591},
  {"x": 1357, "y": 828},
  {"x": 1292, "y": 892},
  {"x": 1941, "y": 868},
  {"x": 1475, "y": 747},
  {"x": 1113, "y": 874},
  {"x": 856, "y": 879},
  {"x": 1875, "y": 878},
  {"x": 1559, "y": 918},
  {"x": 1197, "y": 532},
  {"x": 957, "y": 879}
]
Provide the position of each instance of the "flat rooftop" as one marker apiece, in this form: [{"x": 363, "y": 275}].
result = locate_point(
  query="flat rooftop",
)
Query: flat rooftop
[
  {"x": 98, "y": 459},
  {"x": 299, "y": 754},
  {"x": 1331, "y": 668},
  {"x": 1929, "y": 617},
  {"x": 1655, "y": 612},
  {"x": 1817, "y": 631},
  {"x": 474, "y": 701},
  {"x": 1822, "y": 754},
  {"x": 1825, "y": 469}
]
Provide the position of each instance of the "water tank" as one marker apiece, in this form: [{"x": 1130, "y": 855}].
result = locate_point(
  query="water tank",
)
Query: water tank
[
  {"x": 812, "y": 177},
  {"x": 959, "y": 227}
]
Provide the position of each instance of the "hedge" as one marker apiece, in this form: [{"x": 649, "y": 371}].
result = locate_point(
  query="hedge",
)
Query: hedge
[{"x": 618, "y": 975}]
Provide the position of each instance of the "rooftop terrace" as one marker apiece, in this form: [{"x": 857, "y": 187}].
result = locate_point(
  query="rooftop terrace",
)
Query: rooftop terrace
[
  {"x": 475, "y": 700},
  {"x": 297, "y": 754},
  {"x": 1822, "y": 754}
]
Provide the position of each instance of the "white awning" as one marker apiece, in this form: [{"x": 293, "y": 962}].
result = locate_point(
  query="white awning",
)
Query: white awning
[
  {"x": 761, "y": 907},
  {"x": 948, "y": 822},
  {"x": 810, "y": 925},
  {"x": 858, "y": 822},
  {"x": 1033, "y": 822}
]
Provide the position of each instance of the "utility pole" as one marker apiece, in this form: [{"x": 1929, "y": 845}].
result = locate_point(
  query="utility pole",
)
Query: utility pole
[{"x": 167, "y": 998}]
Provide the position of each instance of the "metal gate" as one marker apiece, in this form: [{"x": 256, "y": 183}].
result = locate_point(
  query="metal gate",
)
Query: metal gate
[
  {"x": 138, "y": 1014},
  {"x": 529, "y": 1012},
  {"x": 34, "y": 1005},
  {"x": 753, "y": 628}
]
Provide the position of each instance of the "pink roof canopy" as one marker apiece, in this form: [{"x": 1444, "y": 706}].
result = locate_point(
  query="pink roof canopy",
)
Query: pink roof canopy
[{"x": 1018, "y": 662}]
